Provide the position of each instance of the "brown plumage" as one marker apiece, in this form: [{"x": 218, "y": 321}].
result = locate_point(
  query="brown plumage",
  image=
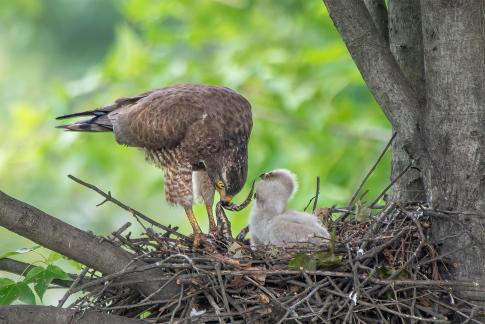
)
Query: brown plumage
[{"x": 183, "y": 128}]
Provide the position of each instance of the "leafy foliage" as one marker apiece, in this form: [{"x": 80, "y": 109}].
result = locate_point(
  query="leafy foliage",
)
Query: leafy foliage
[
  {"x": 37, "y": 277},
  {"x": 42, "y": 277},
  {"x": 312, "y": 111}
]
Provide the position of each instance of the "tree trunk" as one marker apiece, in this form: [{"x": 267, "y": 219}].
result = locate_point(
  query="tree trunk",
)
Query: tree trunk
[
  {"x": 454, "y": 129},
  {"x": 407, "y": 47},
  {"x": 440, "y": 121}
]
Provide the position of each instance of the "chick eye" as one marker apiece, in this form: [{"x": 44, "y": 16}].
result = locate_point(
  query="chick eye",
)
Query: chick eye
[{"x": 220, "y": 185}]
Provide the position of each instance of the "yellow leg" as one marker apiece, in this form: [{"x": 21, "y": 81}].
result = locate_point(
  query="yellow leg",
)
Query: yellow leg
[
  {"x": 198, "y": 236},
  {"x": 212, "y": 223}
]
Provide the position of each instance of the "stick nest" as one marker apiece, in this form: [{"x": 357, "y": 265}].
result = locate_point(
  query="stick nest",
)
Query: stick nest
[{"x": 380, "y": 270}]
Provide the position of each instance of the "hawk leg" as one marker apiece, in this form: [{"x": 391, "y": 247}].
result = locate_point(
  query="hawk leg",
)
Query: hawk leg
[
  {"x": 212, "y": 223},
  {"x": 204, "y": 191},
  {"x": 198, "y": 236}
]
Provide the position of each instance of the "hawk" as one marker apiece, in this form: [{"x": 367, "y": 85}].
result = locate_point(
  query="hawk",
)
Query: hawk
[
  {"x": 272, "y": 223},
  {"x": 198, "y": 134}
]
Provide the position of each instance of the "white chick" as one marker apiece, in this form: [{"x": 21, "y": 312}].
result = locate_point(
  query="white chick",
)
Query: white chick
[{"x": 271, "y": 222}]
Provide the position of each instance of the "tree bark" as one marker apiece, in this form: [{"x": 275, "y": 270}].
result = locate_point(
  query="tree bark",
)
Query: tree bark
[
  {"x": 378, "y": 12},
  {"x": 53, "y": 315},
  {"x": 443, "y": 127},
  {"x": 78, "y": 245},
  {"x": 454, "y": 56},
  {"x": 405, "y": 38}
]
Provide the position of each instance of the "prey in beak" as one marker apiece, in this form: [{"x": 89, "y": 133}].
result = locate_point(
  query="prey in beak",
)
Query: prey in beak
[{"x": 226, "y": 199}]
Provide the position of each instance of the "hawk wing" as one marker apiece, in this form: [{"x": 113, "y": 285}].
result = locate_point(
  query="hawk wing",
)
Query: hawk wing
[{"x": 162, "y": 118}]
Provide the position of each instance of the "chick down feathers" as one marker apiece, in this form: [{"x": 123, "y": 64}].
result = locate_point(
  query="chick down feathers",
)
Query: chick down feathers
[{"x": 271, "y": 223}]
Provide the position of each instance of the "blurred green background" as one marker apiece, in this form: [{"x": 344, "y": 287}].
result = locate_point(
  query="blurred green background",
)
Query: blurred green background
[{"x": 312, "y": 111}]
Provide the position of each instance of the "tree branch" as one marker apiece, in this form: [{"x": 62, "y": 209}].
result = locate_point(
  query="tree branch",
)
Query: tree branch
[
  {"x": 70, "y": 241},
  {"x": 53, "y": 315},
  {"x": 378, "y": 12},
  {"x": 379, "y": 69}
]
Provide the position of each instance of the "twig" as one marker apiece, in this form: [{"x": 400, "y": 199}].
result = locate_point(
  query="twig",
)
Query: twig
[
  {"x": 178, "y": 303},
  {"x": 356, "y": 192},
  {"x": 74, "y": 284},
  {"x": 134, "y": 212},
  {"x": 315, "y": 201},
  {"x": 314, "y": 198},
  {"x": 390, "y": 185}
]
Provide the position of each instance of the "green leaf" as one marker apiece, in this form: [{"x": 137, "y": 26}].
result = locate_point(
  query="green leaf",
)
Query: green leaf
[
  {"x": 53, "y": 257},
  {"x": 42, "y": 278},
  {"x": 75, "y": 264},
  {"x": 5, "y": 282},
  {"x": 327, "y": 259},
  {"x": 25, "y": 293},
  {"x": 19, "y": 251},
  {"x": 57, "y": 273},
  {"x": 41, "y": 286},
  {"x": 8, "y": 294},
  {"x": 302, "y": 260},
  {"x": 11, "y": 290},
  {"x": 34, "y": 274},
  {"x": 145, "y": 314}
]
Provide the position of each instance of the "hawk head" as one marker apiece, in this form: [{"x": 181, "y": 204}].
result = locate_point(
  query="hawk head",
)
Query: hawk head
[{"x": 228, "y": 170}]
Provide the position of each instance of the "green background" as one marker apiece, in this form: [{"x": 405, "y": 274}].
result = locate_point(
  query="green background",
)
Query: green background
[{"x": 312, "y": 112}]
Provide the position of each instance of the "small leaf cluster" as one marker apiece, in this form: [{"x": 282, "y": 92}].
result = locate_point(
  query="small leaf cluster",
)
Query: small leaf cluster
[{"x": 35, "y": 281}]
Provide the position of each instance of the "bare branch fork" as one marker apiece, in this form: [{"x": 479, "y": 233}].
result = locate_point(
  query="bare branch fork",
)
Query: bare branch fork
[
  {"x": 135, "y": 213},
  {"x": 378, "y": 67}
]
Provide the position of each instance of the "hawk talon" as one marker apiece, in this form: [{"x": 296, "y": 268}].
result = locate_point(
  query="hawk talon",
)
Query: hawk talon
[
  {"x": 198, "y": 239},
  {"x": 201, "y": 239}
]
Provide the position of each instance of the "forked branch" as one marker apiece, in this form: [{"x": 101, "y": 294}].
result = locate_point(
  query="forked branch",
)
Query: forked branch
[{"x": 374, "y": 59}]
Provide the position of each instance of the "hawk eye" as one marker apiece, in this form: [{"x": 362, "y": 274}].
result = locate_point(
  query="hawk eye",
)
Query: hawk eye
[{"x": 220, "y": 185}]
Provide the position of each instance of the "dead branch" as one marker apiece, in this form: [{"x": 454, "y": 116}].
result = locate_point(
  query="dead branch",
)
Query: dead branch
[{"x": 134, "y": 212}]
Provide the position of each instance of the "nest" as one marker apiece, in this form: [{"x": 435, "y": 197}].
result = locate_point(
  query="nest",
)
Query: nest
[{"x": 379, "y": 270}]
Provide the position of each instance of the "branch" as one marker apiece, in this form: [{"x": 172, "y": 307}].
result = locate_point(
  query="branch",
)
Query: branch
[
  {"x": 378, "y": 12},
  {"x": 379, "y": 69},
  {"x": 70, "y": 241},
  {"x": 354, "y": 196},
  {"x": 135, "y": 213},
  {"x": 53, "y": 315}
]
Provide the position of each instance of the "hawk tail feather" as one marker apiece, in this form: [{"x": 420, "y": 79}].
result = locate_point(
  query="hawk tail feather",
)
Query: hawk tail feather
[{"x": 99, "y": 122}]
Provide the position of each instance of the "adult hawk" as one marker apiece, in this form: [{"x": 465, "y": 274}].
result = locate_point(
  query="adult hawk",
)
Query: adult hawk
[{"x": 198, "y": 134}]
